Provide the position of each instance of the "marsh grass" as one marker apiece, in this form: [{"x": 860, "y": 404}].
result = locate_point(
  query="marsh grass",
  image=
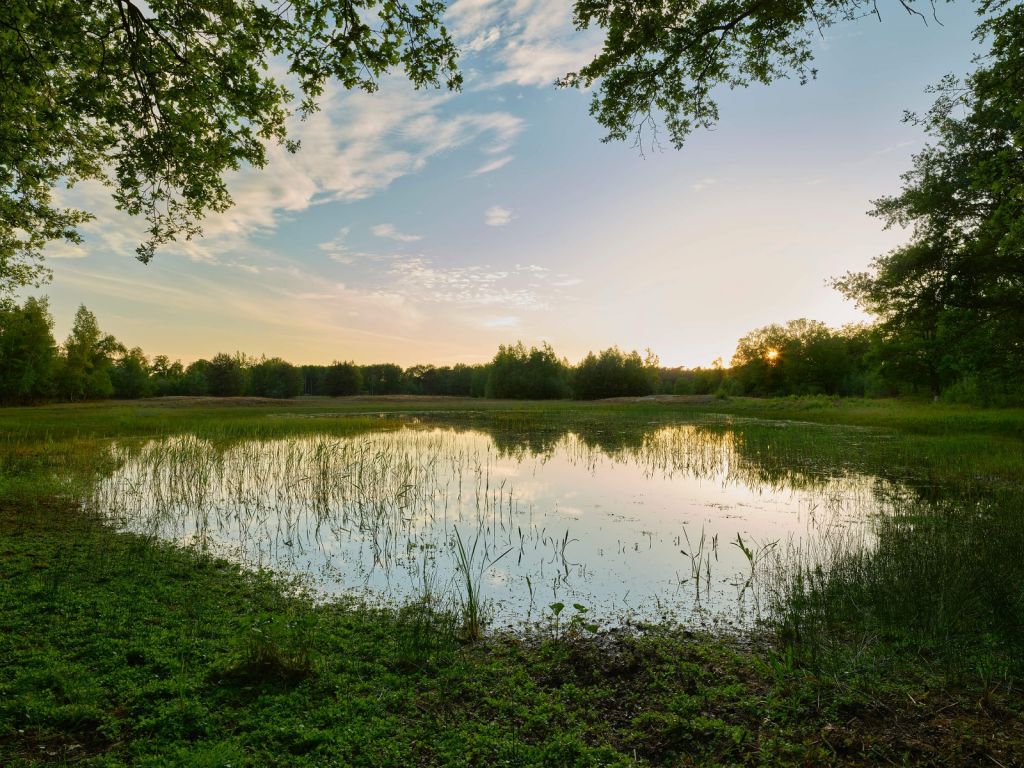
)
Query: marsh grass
[
  {"x": 939, "y": 571},
  {"x": 384, "y": 503},
  {"x": 943, "y": 580},
  {"x": 427, "y": 626},
  {"x": 903, "y": 647},
  {"x": 475, "y": 609}
]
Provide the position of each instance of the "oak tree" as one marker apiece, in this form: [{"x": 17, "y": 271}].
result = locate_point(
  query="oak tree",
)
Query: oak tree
[{"x": 158, "y": 99}]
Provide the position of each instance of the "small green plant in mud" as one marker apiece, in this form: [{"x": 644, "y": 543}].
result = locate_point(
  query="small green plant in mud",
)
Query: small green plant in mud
[
  {"x": 578, "y": 623},
  {"x": 271, "y": 650},
  {"x": 278, "y": 637}
]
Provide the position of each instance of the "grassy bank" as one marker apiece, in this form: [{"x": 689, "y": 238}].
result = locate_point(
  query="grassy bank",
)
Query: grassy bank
[{"x": 118, "y": 649}]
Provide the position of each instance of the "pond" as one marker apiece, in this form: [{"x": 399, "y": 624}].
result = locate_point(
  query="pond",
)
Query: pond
[{"x": 689, "y": 521}]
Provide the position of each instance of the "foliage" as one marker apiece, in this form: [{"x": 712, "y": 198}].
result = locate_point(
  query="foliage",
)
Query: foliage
[
  {"x": 667, "y": 58},
  {"x": 382, "y": 379},
  {"x": 701, "y": 381},
  {"x": 275, "y": 378},
  {"x": 167, "y": 377},
  {"x": 161, "y": 99},
  {"x": 130, "y": 375},
  {"x": 342, "y": 379},
  {"x": 28, "y": 352},
  {"x": 196, "y": 381},
  {"x": 445, "y": 380},
  {"x": 534, "y": 374},
  {"x": 225, "y": 376},
  {"x": 803, "y": 357},
  {"x": 613, "y": 373},
  {"x": 951, "y": 301},
  {"x": 798, "y": 358},
  {"x": 88, "y": 356}
]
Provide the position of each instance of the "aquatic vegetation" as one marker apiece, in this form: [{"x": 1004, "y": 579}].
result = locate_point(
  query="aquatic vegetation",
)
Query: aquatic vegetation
[
  {"x": 596, "y": 523},
  {"x": 872, "y": 575}
]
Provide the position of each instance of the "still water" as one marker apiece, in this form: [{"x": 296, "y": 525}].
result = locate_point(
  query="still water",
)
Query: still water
[{"x": 686, "y": 521}]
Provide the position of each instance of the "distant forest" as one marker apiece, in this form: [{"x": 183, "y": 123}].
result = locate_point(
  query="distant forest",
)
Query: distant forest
[
  {"x": 802, "y": 357},
  {"x": 948, "y": 304}
]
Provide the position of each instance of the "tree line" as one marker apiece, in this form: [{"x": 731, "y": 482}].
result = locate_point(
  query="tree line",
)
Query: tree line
[
  {"x": 948, "y": 305},
  {"x": 801, "y": 357}
]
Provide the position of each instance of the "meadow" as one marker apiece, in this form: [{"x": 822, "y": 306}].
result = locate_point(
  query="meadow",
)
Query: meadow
[{"x": 130, "y": 639}]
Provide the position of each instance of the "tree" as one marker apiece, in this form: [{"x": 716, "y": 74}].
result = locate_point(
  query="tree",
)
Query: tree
[
  {"x": 167, "y": 378},
  {"x": 161, "y": 98},
  {"x": 666, "y": 58},
  {"x": 130, "y": 375},
  {"x": 88, "y": 357},
  {"x": 382, "y": 379},
  {"x": 478, "y": 380},
  {"x": 446, "y": 380},
  {"x": 195, "y": 380},
  {"x": 802, "y": 357},
  {"x": 275, "y": 378},
  {"x": 343, "y": 379},
  {"x": 614, "y": 374},
  {"x": 952, "y": 299},
  {"x": 534, "y": 374},
  {"x": 28, "y": 353},
  {"x": 225, "y": 376}
]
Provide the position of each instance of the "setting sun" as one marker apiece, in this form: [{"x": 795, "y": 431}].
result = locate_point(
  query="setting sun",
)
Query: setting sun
[{"x": 772, "y": 355}]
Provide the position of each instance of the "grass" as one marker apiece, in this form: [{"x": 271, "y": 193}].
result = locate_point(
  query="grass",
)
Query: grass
[{"x": 117, "y": 649}]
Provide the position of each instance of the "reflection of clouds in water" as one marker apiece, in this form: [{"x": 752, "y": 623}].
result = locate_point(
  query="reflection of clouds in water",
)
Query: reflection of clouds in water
[{"x": 651, "y": 514}]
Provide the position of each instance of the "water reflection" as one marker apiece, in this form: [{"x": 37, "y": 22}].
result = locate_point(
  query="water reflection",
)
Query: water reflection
[{"x": 680, "y": 520}]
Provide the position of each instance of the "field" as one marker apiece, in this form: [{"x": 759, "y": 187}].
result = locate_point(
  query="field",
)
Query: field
[{"x": 121, "y": 647}]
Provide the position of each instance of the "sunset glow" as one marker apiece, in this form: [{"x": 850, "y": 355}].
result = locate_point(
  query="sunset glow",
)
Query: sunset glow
[{"x": 418, "y": 227}]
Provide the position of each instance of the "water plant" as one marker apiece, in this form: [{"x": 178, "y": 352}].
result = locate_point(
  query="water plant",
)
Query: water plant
[{"x": 474, "y": 606}]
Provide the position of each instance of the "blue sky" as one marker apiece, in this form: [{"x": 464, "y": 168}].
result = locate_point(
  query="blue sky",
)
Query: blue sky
[{"x": 431, "y": 227}]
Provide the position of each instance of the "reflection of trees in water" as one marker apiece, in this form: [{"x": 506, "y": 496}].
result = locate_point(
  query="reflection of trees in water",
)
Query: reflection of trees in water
[
  {"x": 384, "y": 505},
  {"x": 941, "y": 564},
  {"x": 776, "y": 455},
  {"x": 388, "y": 502},
  {"x": 387, "y": 485}
]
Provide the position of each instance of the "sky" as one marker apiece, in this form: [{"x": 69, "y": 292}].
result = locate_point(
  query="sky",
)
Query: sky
[{"x": 430, "y": 227}]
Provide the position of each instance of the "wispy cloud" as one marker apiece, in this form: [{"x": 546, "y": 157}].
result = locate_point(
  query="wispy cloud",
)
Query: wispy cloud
[
  {"x": 391, "y": 233},
  {"x": 527, "y": 42},
  {"x": 496, "y": 216},
  {"x": 494, "y": 165},
  {"x": 356, "y": 146},
  {"x": 337, "y": 249},
  {"x": 419, "y": 279},
  {"x": 65, "y": 250}
]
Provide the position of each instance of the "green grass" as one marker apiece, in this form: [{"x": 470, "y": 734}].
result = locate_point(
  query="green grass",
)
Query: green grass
[{"x": 117, "y": 649}]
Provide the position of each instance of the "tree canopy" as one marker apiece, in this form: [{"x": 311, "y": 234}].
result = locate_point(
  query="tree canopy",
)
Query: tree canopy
[
  {"x": 28, "y": 352},
  {"x": 801, "y": 357},
  {"x": 951, "y": 300},
  {"x": 158, "y": 99},
  {"x": 527, "y": 374},
  {"x": 663, "y": 59},
  {"x": 612, "y": 373}
]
